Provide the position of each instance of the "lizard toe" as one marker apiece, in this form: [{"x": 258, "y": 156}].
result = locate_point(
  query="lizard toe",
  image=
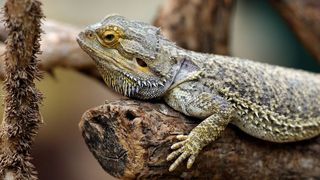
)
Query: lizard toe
[
  {"x": 191, "y": 160},
  {"x": 186, "y": 149},
  {"x": 174, "y": 154},
  {"x": 182, "y": 137},
  {"x": 179, "y": 160},
  {"x": 178, "y": 145}
]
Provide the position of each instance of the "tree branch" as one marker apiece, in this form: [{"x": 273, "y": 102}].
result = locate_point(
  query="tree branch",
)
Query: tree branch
[
  {"x": 21, "y": 117},
  {"x": 131, "y": 139},
  {"x": 304, "y": 19},
  {"x": 199, "y": 25},
  {"x": 59, "y": 49}
]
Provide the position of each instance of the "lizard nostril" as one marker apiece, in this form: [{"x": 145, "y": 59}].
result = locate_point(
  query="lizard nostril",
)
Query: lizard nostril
[{"x": 89, "y": 34}]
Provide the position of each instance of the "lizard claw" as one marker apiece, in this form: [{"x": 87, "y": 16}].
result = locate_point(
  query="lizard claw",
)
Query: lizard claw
[{"x": 185, "y": 149}]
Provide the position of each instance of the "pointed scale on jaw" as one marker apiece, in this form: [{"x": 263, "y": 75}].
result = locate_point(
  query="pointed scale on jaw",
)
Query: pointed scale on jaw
[{"x": 268, "y": 102}]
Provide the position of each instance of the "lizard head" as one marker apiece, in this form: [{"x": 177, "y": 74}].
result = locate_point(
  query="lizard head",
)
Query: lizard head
[{"x": 132, "y": 57}]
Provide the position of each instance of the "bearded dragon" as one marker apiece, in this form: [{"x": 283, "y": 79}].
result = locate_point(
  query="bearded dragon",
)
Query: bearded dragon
[{"x": 272, "y": 103}]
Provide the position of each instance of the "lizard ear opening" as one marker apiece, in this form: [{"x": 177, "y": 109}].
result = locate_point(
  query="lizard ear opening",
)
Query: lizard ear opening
[
  {"x": 141, "y": 62},
  {"x": 141, "y": 65}
]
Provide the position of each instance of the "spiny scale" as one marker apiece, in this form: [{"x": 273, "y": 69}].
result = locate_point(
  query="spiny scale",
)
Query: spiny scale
[{"x": 268, "y": 102}]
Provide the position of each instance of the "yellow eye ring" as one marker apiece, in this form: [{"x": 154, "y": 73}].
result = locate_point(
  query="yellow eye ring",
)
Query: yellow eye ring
[{"x": 110, "y": 36}]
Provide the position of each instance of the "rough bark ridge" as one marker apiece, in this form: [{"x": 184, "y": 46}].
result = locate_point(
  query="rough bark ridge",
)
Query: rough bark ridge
[
  {"x": 59, "y": 49},
  {"x": 268, "y": 155},
  {"x": 131, "y": 139},
  {"x": 22, "y": 99},
  {"x": 199, "y": 25},
  {"x": 304, "y": 19}
]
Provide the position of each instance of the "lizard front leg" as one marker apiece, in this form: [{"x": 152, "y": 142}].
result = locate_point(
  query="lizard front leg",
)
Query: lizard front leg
[
  {"x": 190, "y": 145},
  {"x": 217, "y": 113}
]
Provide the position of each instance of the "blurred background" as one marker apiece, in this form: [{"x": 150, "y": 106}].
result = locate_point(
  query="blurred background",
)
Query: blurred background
[{"x": 257, "y": 33}]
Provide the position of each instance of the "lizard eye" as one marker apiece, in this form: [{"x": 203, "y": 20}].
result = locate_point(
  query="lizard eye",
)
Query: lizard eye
[{"x": 110, "y": 36}]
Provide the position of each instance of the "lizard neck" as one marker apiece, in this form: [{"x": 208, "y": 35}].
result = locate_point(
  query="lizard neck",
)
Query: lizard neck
[{"x": 188, "y": 69}]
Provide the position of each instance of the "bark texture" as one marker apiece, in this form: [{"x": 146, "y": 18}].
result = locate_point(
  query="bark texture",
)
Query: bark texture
[
  {"x": 304, "y": 19},
  {"x": 199, "y": 25},
  {"x": 206, "y": 30},
  {"x": 131, "y": 139},
  {"x": 59, "y": 49},
  {"x": 22, "y": 98}
]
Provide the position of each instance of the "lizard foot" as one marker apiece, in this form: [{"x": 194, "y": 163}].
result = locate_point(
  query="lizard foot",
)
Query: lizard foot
[{"x": 188, "y": 147}]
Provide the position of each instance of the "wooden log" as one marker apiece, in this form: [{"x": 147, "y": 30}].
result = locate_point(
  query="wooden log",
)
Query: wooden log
[{"x": 131, "y": 139}]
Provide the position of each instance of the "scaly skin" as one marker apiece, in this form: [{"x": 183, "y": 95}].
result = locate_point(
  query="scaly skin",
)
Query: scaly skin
[{"x": 268, "y": 102}]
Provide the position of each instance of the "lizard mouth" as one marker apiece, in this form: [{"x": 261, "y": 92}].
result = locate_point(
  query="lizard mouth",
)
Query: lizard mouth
[{"x": 121, "y": 73}]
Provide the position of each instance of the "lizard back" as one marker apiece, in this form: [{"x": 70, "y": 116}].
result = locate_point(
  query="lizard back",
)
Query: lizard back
[{"x": 281, "y": 104}]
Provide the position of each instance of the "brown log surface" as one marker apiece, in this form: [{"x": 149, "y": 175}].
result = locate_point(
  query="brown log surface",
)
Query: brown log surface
[{"x": 131, "y": 139}]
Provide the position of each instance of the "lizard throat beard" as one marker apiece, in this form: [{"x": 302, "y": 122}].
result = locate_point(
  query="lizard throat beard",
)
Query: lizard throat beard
[
  {"x": 115, "y": 79},
  {"x": 124, "y": 82},
  {"x": 129, "y": 84}
]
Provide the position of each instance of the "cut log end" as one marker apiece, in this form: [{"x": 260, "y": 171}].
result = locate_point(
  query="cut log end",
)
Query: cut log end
[{"x": 131, "y": 139}]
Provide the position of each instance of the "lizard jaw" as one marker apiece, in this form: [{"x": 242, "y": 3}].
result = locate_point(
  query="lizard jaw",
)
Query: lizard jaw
[{"x": 123, "y": 82}]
